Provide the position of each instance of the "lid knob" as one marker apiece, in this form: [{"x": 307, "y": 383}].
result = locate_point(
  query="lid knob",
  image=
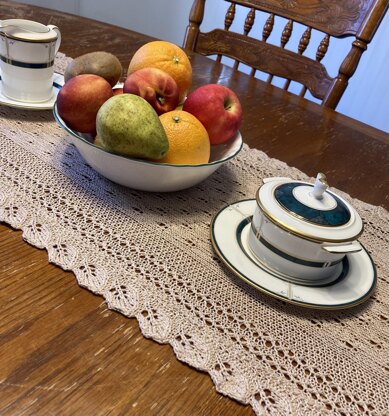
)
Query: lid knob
[{"x": 320, "y": 186}]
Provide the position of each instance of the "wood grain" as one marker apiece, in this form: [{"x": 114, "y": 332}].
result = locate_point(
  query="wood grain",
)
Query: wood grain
[
  {"x": 64, "y": 353},
  {"x": 61, "y": 351},
  {"x": 358, "y": 19},
  {"x": 260, "y": 55}
]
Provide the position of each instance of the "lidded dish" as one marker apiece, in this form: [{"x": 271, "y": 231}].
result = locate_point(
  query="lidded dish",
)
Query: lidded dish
[{"x": 302, "y": 231}]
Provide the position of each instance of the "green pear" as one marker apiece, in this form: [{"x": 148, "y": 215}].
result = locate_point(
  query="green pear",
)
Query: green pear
[{"x": 128, "y": 125}]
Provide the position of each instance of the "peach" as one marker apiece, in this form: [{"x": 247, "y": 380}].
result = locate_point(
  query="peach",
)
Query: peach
[
  {"x": 79, "y": 100},
  {"x": 157, "y": 87}
]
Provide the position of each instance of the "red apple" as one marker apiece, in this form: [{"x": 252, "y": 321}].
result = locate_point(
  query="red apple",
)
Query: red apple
[
  {"x": 157, "y": 87},
  {"x": 219, "y": 110},
  {"x": 79, "y": 100}
]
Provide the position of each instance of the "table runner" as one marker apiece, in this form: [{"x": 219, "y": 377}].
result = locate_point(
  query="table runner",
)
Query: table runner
[{"x": 149, "y": 255}]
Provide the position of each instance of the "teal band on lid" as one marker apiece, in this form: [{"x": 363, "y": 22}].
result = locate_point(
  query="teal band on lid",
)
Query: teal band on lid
[{"x": 335, "y": 217}]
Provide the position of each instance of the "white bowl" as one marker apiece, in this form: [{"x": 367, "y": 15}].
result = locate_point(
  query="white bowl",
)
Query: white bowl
[{"x": 149, "y": 176}]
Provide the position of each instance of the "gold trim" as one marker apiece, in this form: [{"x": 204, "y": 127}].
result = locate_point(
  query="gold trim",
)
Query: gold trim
[
  {"x": 292, "y": 279},
  {"x": 274, "y": 295},
  {"x": 258, "y": 234},
  {"x": 52, "y": 39},
  {"x": 296, "y": 232}
]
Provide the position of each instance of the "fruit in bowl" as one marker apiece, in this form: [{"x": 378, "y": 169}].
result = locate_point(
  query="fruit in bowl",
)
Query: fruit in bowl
[
  {"x": 147, "y": 175},
  {"x": 188, "y": 140},
  {"x": 157, "y": 87},
  {"x": 79, "y": 100},
  {"x": 126, "y": 124},
  {"x": 218, "y": 108},
  {"x": 169, "y": 58},
  {"x": 139, "y": 135},
  {"x": 101, "y": 63}
]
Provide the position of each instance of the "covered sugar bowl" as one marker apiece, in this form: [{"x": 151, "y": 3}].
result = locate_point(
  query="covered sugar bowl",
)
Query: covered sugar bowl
[{"x": 302, "y": 231}]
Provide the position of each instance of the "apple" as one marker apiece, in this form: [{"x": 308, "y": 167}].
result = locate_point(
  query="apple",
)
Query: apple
[
  {"x": 219, "y": 110},
  {"x": 157, "y": 87},
  {"x": 79, "y": 100}
]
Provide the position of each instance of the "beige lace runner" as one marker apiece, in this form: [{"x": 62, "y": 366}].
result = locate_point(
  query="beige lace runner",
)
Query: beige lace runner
[{"x": 149, "y": 255}]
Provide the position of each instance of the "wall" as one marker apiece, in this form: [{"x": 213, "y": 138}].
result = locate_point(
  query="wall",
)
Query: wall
[{"x": 366, "y": 98}]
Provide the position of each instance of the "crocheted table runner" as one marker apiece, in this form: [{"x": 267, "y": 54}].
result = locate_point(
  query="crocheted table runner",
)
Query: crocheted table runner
[{"x": 150, "y": 256}]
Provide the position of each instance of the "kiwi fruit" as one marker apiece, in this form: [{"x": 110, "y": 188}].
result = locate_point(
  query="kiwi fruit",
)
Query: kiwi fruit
[{"x": 101, "y": 63}]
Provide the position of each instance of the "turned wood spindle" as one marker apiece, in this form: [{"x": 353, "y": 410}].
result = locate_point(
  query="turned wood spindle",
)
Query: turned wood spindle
[
  {"x": 303, "y": 44},
  {"x": 250, "y": 18},
  {"x": 267, "y": 29},
  {"x": 320, "y": 53},
  {"x": 304, "y": 41},
  {"x": 286, "y": 33},
  {"x": 248, "y": 24},
  {"x": 323, "y": 48},
  {"x": 229, "y": 18}
]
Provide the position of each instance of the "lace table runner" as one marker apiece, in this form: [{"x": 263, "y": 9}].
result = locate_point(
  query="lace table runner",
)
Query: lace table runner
[{"x": 149, "y": 255}]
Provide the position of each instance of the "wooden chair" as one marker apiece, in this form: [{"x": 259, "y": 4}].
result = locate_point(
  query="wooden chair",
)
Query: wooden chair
[{"x": 334, "y": 18}]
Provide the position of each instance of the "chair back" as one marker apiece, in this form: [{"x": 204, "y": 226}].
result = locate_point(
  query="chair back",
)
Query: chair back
[{"x": 358, "y": 19}]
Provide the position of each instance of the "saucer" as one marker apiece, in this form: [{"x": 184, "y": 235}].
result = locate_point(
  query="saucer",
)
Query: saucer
[
  {"x": 229, "y": 234},
  {"x": 58, "y": 82}
]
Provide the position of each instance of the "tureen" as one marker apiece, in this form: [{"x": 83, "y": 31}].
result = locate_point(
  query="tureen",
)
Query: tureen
[{"x": 302, "y": 231}]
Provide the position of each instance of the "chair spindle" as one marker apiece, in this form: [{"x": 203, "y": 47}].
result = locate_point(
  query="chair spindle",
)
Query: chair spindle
[
  {"x": 267, "y": 29},
  {"x": 320, "y": 53},
  {"x": 248, "y": 24},
  {"x": 229, "y": 18},
  {"x": 303, "y": 44},
  {"x": 286, "y": 33}
]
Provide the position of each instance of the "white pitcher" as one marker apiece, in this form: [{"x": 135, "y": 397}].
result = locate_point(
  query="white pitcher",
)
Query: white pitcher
[{"x": 27, "y": 53}]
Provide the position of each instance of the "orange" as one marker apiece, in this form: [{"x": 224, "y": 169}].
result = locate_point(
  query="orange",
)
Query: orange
[
  {"x": 169, "y": 58},
  {"x": 188, "y": 140}
]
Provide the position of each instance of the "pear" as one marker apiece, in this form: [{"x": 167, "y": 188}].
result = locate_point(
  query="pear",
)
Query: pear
[{"x": 128, "y": 125}]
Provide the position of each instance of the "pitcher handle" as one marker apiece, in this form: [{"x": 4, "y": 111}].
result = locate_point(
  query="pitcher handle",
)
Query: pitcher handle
[{"x": 58, "y": 43}]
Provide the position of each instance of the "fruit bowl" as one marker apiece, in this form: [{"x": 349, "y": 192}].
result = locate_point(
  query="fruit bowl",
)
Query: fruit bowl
[{"x": 145, "y": 175}]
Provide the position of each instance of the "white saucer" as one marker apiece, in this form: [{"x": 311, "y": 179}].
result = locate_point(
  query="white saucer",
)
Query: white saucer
[
  {"x": 58, "y": 82},
  {"x": 229, "y": 234}
]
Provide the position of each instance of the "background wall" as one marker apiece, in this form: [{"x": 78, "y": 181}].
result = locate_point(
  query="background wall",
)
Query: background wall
[{"x": 366, "y": 98}]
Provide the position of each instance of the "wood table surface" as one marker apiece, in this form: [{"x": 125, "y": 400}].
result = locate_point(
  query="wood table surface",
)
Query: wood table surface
[{"x": 61, "y": 351}]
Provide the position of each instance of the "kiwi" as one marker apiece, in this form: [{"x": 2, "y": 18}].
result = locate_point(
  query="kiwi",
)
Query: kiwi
[{"x": 99, "y": 63}]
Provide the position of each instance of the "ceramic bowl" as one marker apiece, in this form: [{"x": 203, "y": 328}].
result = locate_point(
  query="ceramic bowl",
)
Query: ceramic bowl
[
  {"x": 302, "y": 237},
  {"x": 149, "y": 176}
]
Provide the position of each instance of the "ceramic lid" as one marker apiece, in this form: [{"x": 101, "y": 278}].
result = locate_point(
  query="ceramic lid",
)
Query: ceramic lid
[
  {"x": 309, "y": 210},
  {"x": 27, "y": 30}
]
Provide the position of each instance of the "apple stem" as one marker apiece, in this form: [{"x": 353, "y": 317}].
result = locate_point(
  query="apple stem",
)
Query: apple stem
[{"x": 227, "y": 104}]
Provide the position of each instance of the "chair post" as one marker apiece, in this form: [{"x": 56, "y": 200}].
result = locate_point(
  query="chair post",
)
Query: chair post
[
  {"x": 346, "y": 71},
  {"x": 350, "y": 63},
  {"x": 195, "y": 18}
]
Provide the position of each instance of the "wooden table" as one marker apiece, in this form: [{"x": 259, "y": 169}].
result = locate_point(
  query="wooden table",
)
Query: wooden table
[{"x": 61, "y": 351}]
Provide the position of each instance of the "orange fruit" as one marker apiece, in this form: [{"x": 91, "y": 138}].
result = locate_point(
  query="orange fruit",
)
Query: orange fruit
[
  {"x": 169, "y": 58},
  {"x": 188, "y": 140}
]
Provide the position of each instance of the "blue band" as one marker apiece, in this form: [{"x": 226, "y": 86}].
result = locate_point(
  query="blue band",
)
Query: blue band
[
  {"x": 25, "y": 64},
  {"x": 288, "y": 257},
  {"x": 335, "y": 217}
]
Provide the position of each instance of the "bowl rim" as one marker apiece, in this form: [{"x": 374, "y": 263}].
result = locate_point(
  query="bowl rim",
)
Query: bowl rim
[{"x": 77, "y": 135}]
